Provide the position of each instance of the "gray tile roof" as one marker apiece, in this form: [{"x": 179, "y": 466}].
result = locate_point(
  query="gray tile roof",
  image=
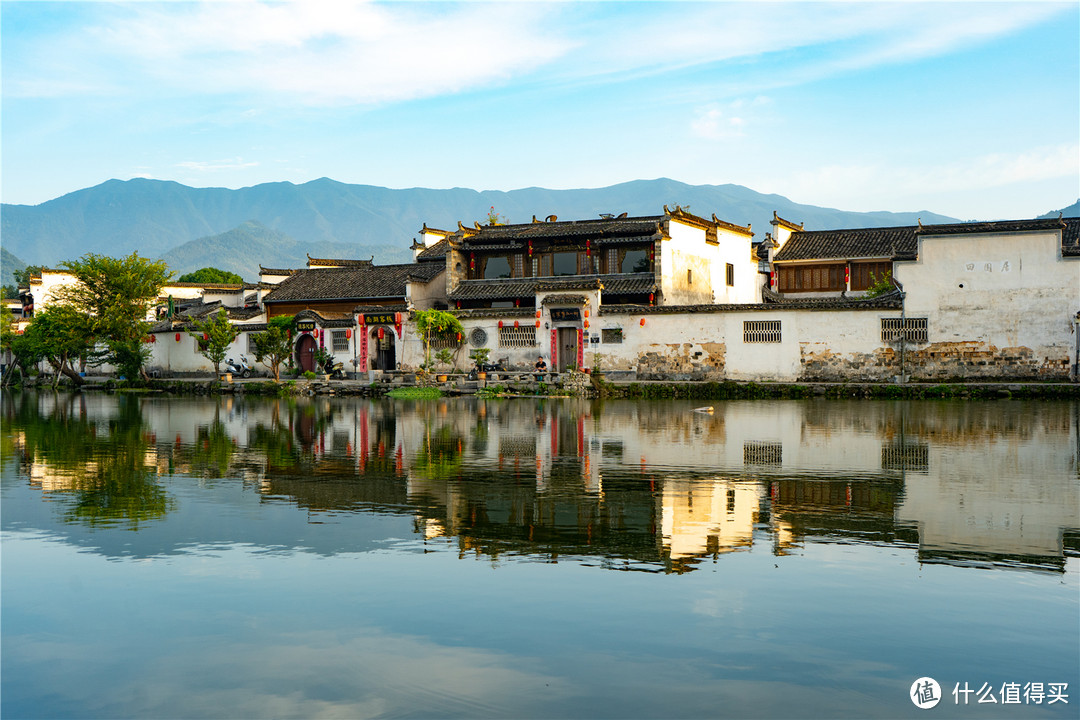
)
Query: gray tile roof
[
  {"x": 359, "y": 282},
  {"x": 901, "y": 243},
  {"x": 508, "y": 289},
  {"x": 435, "y": 252},
  {"x": 642, "y": 228}
]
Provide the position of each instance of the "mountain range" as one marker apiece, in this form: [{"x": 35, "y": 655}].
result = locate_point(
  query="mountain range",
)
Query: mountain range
[{"x": 280, "y": 224}]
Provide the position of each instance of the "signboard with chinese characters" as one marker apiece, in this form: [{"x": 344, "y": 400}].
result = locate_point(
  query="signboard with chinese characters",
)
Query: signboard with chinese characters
[
  {"x": 565, "y": 315},
  {"x": 304, "y": 325},
  {"x": 379, "y": 319}
]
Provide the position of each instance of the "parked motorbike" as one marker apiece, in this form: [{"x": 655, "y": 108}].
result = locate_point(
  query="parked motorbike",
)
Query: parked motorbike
[
  {"x": 334, "y": 370},
  {"x": 242, "y": 367}
]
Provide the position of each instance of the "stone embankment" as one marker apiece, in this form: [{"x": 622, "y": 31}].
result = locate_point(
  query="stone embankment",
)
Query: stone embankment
[{"x": 580, "y": 385}]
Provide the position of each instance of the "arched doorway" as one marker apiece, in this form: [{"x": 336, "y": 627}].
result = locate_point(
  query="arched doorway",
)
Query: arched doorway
[
  {"x": 382, "y": 340},
  {"x": 305, "y": 353}
]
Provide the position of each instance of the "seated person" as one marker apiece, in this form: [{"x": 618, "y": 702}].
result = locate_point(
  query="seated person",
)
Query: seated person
[{"x": 541, "y": 366}]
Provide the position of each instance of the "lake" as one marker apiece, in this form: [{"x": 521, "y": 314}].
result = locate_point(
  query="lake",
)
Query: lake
[{"x": 537, "y": 558}]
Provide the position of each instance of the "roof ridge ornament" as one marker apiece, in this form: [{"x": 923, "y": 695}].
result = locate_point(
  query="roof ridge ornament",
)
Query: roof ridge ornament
[
  {"x": 534, "y": 219},
  {"x": 551, "y": 218}
]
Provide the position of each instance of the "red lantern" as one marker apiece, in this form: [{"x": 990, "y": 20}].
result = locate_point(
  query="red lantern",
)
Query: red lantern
[
  {"x": 772, "y": 279},
  {"x": 588, "y": 249},
  {"x": 847, "y": 274},
  {"x": 516, "y": 324},
  {"x": 397, "y": 318},
  {"x": 459, "y": 337},
  {"x": 382, "y": 333},
  {"x": 538, "y": 313},
  {"x": 153, "y": 338},
  {"x": 586, "y": 312},
  {"x": 586, "y": 324},
  {"x": 538, "y": 324},
  {"x": 348, "y": 333},
  {"x": 642, "y": 322},
  {"x": 500, "y": 323},
  {"x": 205, "y": 336},
  {"x": 530, "y": 248},
  {"x": 651, "y": 298},
  {"x": 177, "y": 337},
  {"x": 472, "y": 261}
]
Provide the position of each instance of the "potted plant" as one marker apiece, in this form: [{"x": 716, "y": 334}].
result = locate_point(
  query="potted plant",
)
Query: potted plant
[
  {"x": 446, "y": 357},
  {"x": 480, "y": 357}
]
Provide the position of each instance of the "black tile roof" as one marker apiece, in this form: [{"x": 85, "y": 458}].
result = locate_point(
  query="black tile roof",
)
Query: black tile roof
[
  {"x": 357, "y": 282},
  {"x": 890, "y": 242},
  {"x": 1070, "y": 237},
  {"x": 435, "y": 252},
  {"x": 275, "y": 271},
  {"x": 336, "y": 262},
  {"x": 901, "y": 243},
  {"x": 508, "y": 289},
  {"x": 883, "y": 302},
  {"x": 637, "y": 227}
]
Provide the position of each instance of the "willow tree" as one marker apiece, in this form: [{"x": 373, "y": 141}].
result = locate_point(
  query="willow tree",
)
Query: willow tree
[{"x": 116, "y": 294}]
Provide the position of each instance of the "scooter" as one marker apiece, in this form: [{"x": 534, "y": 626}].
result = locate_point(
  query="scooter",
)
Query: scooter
[
  {"x": 335, "y": 370},
  {"x": 242, "y": 368}
]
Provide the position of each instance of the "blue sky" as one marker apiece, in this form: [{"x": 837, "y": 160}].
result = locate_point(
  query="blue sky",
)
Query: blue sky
[{"x": 967, "y": 109}]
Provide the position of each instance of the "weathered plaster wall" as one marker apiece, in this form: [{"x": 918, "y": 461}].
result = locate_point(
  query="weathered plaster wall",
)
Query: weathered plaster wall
[
  {"x": 686, "y": 250},
  {"x": 996, "y": 304}
]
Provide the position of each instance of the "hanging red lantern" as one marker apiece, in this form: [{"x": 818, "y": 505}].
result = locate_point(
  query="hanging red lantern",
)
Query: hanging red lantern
[
  {"x": 586, "y": 323},
  {"x": 153, "y": 338},
  {"x": 397, "y": 318},
  {"x": 500, "y": 323},
  {"x": 538, "y": 324},
  {"x": 772, "y": 279},
  {"x": 588, "y": 249},
  {"x": 537, "y": 313},
  {"x": 348, "y": 333},
  {"x": 530, "y": 248},
  {"x": 517, "y": 324},
  {"x": 847, "y": 274},
  {"x": 458, "y": 304},
  {"x": 459, "y": 337},
  {"x": 642, "y": 322},
  {"x": 205, "y": 337},
  {"x": 472, "y": 261},
  {"x": 586, "y": 312},
  {"x": 177, "y": 337},
  {"x": 651, "y": 298},
  {"x": 382, "y": 333}
]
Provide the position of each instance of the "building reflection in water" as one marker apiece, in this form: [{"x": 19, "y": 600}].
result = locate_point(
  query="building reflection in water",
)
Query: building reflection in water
[{"x": 647, "y": 486}]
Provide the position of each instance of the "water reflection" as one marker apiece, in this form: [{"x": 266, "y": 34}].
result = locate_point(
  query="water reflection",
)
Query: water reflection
[{"x": 642, "y": 486}]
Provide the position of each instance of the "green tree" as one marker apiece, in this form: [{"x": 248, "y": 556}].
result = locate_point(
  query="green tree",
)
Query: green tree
[
  {"x": 432, "y": 324},
  {"x": 880, "y": 285},
  {"x": 22, "y": 277},
  {"x": 210, "y": 275},
  {"x": 274, "y": 346},
  {"x": 60, "y": 334},
  {"x": 116, "y": 294},
  {"x": 215, "y": 335},
  {"x": 25, "y": 354}
]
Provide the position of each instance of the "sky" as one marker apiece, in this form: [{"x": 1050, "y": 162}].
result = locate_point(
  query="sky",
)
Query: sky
[{"x": 967, "y": 109}]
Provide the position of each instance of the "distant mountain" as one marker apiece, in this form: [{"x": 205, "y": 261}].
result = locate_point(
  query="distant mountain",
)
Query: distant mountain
[
  {"x": 327, "y": 217},
  {"x": 242, "y": 249},
  {"x": 8, "y": 265},
  {"x": 1071, "y": 211}
]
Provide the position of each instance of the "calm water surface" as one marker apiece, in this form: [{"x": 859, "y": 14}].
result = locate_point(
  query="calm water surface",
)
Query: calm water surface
[{"x": 250, "y": 558}]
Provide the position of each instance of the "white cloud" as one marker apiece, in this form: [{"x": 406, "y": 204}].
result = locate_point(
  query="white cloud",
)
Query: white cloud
[
  {"x": 217, "y": 166},
  {"x": 879, "y": 186},
  {"x": 330, "y": 52}
]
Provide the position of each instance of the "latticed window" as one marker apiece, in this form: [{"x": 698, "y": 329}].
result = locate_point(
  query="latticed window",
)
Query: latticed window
[
  {"x": 516, "y": 337},
  {"x": 761, "y": 331},
  {"x": 811, "y": 278},
  {"x": 444, "y": 341},
  {"x": 907, "y": 329},
  {"x": 340, "y": 342},
  {"x": 863, "y": 275},
  {"x": 611, "y": 335}
]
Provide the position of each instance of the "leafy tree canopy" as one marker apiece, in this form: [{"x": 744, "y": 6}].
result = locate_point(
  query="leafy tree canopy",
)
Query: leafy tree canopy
[
  {"x": 219, "y": 335},
  {"x": 211, "y": 275}
]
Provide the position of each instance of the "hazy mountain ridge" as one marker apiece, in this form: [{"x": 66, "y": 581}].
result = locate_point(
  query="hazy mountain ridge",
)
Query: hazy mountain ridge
[
  {"x": 193, "y": 227},
  {"x": 242, "y": 249},
  {"x": 8, "y": 265}
]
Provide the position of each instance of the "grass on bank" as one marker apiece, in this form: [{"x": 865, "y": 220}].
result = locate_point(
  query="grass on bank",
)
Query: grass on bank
[{"x": 416, "y": 393}]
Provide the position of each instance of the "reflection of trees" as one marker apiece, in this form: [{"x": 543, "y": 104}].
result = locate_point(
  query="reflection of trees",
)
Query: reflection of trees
[
  {"x": 440, "y": 454},
  {"x": 107, "y": 478}
]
